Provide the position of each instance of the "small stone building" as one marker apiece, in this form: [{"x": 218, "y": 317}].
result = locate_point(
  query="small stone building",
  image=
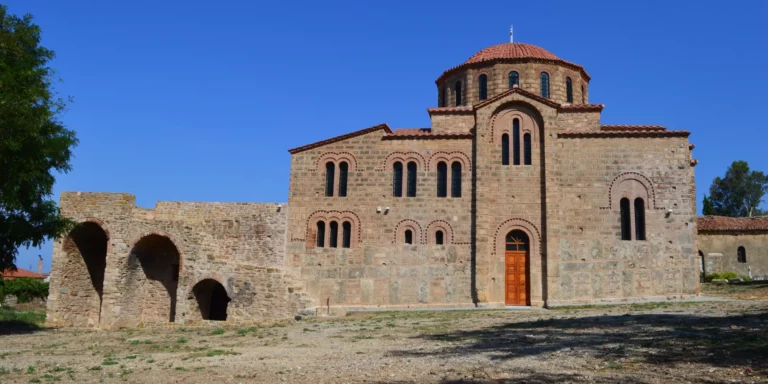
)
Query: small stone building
[
  {"x": 517, "y": 195},
  {"x": 733, "y": 244}
]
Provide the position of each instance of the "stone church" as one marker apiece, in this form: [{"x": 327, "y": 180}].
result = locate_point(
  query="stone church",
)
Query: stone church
[{"x": 517, "y": 195}]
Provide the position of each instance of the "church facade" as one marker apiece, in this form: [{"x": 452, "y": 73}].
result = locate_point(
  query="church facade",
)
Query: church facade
[{"x": 517, "y": 195}]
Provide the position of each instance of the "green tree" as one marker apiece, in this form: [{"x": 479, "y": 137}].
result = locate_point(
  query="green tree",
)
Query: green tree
[
  {"x": 708, "y": 208},
  {"x": 740, "y": 192},
  {"x": 34, "y": 143}
]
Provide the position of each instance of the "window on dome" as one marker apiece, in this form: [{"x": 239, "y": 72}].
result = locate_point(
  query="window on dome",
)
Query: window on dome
[
  {"x": 443, "y": 98},
  {"x": 545, "y": 85},
  {"x": 583, "y": 96},
  {"x": 514, "y": 79},
  {"x": 569, "y": 89},
  {"x": 483, "y": 87},
  {"x": 457, "y": 93}
]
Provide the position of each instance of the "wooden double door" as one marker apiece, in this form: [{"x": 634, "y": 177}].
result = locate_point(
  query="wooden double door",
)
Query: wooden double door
[{"x": 516, "y": 254}]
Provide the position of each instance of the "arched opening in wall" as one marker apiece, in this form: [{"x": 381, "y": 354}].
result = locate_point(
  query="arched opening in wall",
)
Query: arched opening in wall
[
  {"x": 516, "y": 255},
  {"x": 152, "y": 279},
  {"x": 505, "y": 149},
  {"x": 212, "y": 299},
  {"x": 330, "y": 170},
  {"x": 408, "y": 236},
  {"x": 439, "y": 238},
  {"x": 568, "y": 90},
  {"x": 343, "y": 171},
  {"x": 741, "y": 255},
  {"x": 456, "y": 179},
  {"x": 442, "y": 179},
  {"x": 83, "y": 274},
  {"x": 514, "y": 79},
  {"x": 457, "y": 93},
  {"x": 482, "y": 88},
  {"x": 626, "y": 230}
]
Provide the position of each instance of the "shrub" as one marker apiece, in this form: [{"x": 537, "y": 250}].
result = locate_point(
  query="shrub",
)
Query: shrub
[
  {"x": 25, "y": 289},
  {"x": 721, "y": 276}
]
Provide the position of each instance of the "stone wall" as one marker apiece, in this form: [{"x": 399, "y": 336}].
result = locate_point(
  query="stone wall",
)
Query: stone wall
[
  {"x": 379, "y": 269},
  {"x": 719, "y": 250},
  {"x": 153, "y": 258}
]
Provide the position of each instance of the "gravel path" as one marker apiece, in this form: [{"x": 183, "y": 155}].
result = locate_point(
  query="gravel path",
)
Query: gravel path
[{"x": 702, "y": 342}]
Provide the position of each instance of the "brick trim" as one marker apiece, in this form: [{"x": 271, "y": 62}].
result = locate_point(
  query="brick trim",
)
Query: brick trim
[
  {"x": 449, "y": 157},
  {"x": 436, "y": 225},
  {"x": 628, "y": 134},
  {"x": 412, "y": 225}
]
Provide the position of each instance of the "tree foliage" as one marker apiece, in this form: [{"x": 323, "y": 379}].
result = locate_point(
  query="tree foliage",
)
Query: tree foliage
[
  {"x": 34, "y": 143},
  {"x": 707, "y": 208},
  {"x": 25, "y": 289},
  {"x": 739, "y": 193}
]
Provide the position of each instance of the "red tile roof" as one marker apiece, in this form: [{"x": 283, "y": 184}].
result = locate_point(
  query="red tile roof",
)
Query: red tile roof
[
  {"x": 632, "y": 128},
  {"x": 511, "y": 51},
  {"x": 450, "y": 110},
  {"x": 722, "y": 223},
  {"x": 629, "y": 133},
  {"x": 307, "y": 147},
  {"x": 21, "y": 272},
  {"x": 514, "y": 52},
  {"x": 581, "y": 107},
  {"x": 424, "y": 133}
]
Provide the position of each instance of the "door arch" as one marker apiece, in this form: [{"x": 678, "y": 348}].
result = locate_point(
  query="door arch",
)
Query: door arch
[
  {"x": 516, "y": 268},
  {"x": 212, "y": 300}
]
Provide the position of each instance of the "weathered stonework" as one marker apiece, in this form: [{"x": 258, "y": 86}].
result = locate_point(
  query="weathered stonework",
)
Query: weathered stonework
[
  {"x": 720, "y": 238},
  {"x": 410, "y": 217}
]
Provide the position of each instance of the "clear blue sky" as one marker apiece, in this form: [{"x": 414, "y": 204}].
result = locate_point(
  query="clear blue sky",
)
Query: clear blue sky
[{"x": 199, "y": 100}]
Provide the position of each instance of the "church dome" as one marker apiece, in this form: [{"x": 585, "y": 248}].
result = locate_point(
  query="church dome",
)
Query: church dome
[{"x": 511, "y": 51}]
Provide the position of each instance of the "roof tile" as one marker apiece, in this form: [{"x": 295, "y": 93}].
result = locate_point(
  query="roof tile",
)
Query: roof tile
[{"x": 723, "y": 223}]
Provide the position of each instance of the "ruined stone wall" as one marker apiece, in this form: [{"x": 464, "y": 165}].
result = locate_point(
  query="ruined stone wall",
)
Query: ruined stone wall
[
  {"x": 379, "y": 269},
  {"x": 588, "y": 260},
  {"x": 154, "y": 257},
  {"x": 720, "y": 252}
]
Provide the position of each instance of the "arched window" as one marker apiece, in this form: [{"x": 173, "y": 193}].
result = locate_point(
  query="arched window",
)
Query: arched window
[
  {"x": 411, "y": 187},
  {"x": 320, "y": 234},
  {"x": 514, "y": 79},
  {"x": 583, "y": 96},
  {"x": 408, "y": 236},
  {"x": 397, "y": 179},
  {"x": 516, "y": 141},
  {"x": 545, "y": 85},
  {"x": 442, "y": 179},
  {"x": 443, "y": 101},
  {"x": 505, "y": 149},
  {"x": 626, "y": 230},
  {"x": 333, "y": 241},
  {"x": 346, "y": 234},
  {"x": 741, "y": 255},
  {"x": 527, "y": 149},
  {"x": 330, "y": 170},
  {"x": 457, "y": 93},
  {"x": 343, "y": 170},
  {"x": 456, "y": 179},
  {"x": 639, "y": 219},
  {"x": 482, "y": 87},
  {"x": 568, "y": 90},
  {"x": 439, "y": 238}
]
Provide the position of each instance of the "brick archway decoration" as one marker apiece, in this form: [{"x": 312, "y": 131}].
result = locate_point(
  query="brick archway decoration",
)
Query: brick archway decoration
[
  {"x": 510, "y": 225},
  {"x": 327, "y": 217},
  {"x": 436, "y": 225},
  {"x": 225, "y": 282},
  {"x": 631, "y": 180},
  {"x": 336, "y": 158},
  {"x": 449, "y": 157},
  {"x": 530, "y": 121},
  {"x": 167, "y": 235},
  {"x": 413, "y": 226},
  {"x": 403, "y": 157}
]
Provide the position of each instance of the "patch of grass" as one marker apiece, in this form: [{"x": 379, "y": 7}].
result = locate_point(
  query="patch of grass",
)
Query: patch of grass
[
  {"x": 125, "y": 372},
  {"x": 24, "y": 321},
  {"x": 109, "y": 361},
  {"x": 34, "y": 380},
  {"x": 218, "y": 331},
  {"x": 182, "y": 340},
  {"x": 4, "y": 371},
  {"x": 308, "y": 330},
  {"x": 220, "y": 352},
  {"x": 50, "y": 377},
  {"x": 96, "y": 368},
  {"x": 180, "y": 369},
  {"x": 134, "y": 342},
  {"x": 130, "y": 357},
  {"x": 614, "y": 365},
  {"x": 31, "y": 370},
  {"x": 60, "y": 369}
]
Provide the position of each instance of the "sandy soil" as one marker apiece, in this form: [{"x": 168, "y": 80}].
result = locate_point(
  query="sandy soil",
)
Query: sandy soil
[{"x": 709, "y": 342}]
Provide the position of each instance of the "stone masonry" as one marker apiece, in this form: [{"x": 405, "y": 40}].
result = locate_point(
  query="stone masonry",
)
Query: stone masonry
[{"x": 516, "y": 195}]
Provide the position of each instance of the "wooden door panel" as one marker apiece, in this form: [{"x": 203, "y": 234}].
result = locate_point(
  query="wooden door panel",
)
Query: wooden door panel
[{"x": 516, "y": 278}]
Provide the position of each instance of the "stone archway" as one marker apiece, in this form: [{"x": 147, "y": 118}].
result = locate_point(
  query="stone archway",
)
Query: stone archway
[
  {"x": 211, "y": 299},
  {"x": 151, "y": 279},
  {"x": 536, "y": 265},
  {"x": 82, "y": 278}
]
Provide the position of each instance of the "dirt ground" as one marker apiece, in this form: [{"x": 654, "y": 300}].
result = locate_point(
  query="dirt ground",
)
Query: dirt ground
[{"x": 700, "y": 342}]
